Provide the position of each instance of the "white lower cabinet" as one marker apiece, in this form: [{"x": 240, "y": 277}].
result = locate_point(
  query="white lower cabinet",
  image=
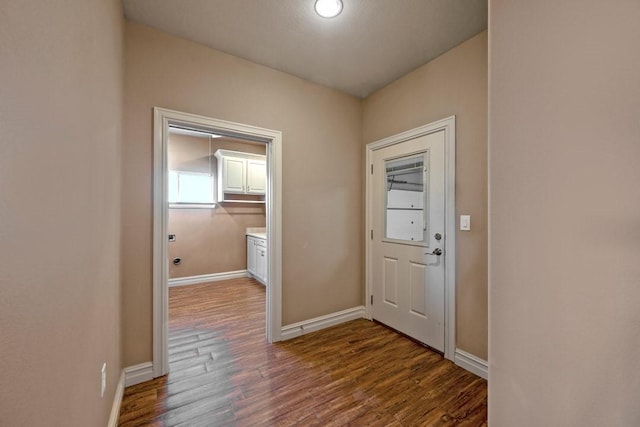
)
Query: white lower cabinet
[
  {"x": 251, "y": 255},
  {"x": 261, "y": 260},
  {"x": 257, "y": 258}
]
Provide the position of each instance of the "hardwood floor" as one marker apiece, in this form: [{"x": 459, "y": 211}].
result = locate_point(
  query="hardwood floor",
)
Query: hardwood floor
[{"x": 224, "y": 373}]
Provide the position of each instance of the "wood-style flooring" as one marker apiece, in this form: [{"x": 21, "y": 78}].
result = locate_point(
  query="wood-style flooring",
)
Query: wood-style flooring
[{"x": 223, "y": 372}]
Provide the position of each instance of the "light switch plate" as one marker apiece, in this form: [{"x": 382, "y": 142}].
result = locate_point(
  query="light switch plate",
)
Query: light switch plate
[{"x": 465, "y": 222}]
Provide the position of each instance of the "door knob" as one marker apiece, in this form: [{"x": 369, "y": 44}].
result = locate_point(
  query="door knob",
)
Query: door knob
[{"x": 436, "y": 251}]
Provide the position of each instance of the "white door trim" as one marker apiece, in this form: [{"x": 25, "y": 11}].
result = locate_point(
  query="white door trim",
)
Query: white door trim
[
  {"x": 448, "y": 125},
  {"x": 162, "y": 119}
]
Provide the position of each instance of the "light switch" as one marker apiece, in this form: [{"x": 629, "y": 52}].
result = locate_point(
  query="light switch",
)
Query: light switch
[{"x": 465, "y": 222}]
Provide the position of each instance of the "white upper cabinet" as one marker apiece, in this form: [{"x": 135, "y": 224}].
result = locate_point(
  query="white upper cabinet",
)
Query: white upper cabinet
[
  {"x": 256, "y": 176},
  {"x": 241, "y": 173},
  {"x": 233, "y": 175}
]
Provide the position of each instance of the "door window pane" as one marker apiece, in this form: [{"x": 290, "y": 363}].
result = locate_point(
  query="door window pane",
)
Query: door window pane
[{"x": 405, "y": 201}]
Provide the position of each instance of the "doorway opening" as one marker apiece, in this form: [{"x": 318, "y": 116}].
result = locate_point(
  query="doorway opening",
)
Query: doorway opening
[
  {"x": 217, "y": 199},
  {"x": 202, "y": 164}
]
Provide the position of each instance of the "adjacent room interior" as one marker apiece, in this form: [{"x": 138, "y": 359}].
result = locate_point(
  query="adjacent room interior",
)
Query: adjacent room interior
[{"x": 216, "y": 197}]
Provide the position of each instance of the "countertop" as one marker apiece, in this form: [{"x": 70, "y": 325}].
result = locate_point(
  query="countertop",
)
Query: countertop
[{"x": 259, "y": 232}]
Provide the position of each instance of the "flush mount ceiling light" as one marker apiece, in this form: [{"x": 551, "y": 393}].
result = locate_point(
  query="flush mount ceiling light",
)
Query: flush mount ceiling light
[{"x": 328, "y": 8}]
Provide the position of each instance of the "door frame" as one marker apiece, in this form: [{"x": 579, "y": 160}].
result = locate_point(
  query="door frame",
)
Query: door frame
[
  {"x": 162, "y": 119},
  {"x": 448, "y": 125}
]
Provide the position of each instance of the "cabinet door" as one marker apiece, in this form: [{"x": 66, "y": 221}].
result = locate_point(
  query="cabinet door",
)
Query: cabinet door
[
  {"x": 256, "y": 177},
  {"x": 265, "y": 264},
  {"x": 261, "y": 260},
  {"x": 251, "y": 255},
  {"x": 233, "y": 178}
]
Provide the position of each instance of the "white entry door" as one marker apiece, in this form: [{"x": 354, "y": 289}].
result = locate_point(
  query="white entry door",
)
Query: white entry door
[{"x": 407, "y": 248}]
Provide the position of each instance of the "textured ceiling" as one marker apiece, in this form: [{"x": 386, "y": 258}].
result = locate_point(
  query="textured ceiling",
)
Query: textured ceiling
[{"x": 369, "y": 45}]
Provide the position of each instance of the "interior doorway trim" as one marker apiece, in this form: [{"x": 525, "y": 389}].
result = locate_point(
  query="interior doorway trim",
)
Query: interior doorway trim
[
  {"x": 448, "y": 125},
  {"x": 162, "y": 119}
]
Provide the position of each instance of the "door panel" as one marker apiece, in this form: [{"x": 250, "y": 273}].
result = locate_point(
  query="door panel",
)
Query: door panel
[
  {"x": 390, "y": 281},
  {"x": 408, "y": 210},
  {"x": 417, "y": 283}
]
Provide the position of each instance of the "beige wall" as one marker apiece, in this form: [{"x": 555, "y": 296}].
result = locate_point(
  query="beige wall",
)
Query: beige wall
[
  {"x": 564, "y": 329},
  {"x": 322, "y": 203},
  {"x": 209, "y": 240},
  {"x": 452, "y": 84},
  {"x": 60, "y": 120}
]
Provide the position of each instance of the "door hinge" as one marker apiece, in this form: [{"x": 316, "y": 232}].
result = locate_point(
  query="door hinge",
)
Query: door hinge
[
  {"x": 371, "y": 168},
  {"x": 372, "y": 234},
  {"x": 371, "y": 299}
]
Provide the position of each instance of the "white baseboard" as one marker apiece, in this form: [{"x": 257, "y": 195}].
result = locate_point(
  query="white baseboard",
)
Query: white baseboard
[
  {"x": 315, "y": 324},
  {"x": 192, "y": 280},
  {"x": 138, "y": 374},
  {"x": 472, "y": 363},
  {"x": 117, "y": 401}
]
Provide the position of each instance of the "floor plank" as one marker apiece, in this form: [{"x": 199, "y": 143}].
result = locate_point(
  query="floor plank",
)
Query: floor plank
[{"x": 223, "y": 372}]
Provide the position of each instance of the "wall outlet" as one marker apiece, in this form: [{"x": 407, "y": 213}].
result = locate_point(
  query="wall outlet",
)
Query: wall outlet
[{"x": 103, "y": 379}]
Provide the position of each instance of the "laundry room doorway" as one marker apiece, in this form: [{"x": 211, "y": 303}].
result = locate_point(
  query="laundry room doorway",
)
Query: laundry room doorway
[{"x": 239, "y": 173}]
